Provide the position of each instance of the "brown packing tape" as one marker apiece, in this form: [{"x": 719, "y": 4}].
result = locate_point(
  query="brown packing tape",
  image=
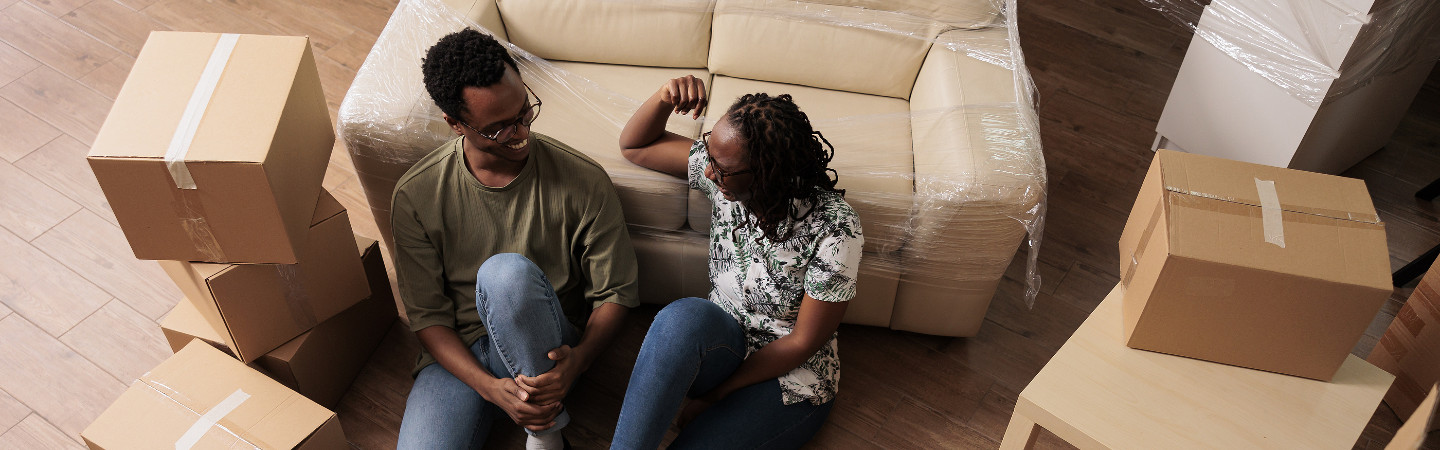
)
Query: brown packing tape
[
  {"x": 1410, "y": 320},
  {"x": 192, "y": 218},
  {"x": 295, "y": 297},
  {"x": 1393, "y": 347},
  {"x": 1312, "y": 211}
]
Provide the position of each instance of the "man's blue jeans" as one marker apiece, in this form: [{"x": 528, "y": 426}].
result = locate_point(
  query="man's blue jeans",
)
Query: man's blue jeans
[
  {"x": 692, "y": 347},
  {"x": 524, "y": 321}
]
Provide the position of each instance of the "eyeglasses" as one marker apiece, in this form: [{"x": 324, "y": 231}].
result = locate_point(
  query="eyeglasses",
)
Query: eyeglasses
[
  {"x": 720, "y": 174},
  {"x": 527, "y": 117}
]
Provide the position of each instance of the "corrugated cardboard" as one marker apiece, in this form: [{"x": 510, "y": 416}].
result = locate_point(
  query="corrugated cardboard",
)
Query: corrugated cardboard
[
  {"x": 258, "y": 307},
  {"x": 1203, "y": 281},
  {"x": 1411, "y": 435},
  {"x": 257, "y": 158},
  {"x": 323, "y": 362},
  {"x": 1410, "y": 348},
  {"x": 167, "y": 402},
  {"x": 184, "y": 323}
]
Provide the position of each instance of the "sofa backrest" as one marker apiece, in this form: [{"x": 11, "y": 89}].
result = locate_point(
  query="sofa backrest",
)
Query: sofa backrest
[
  {"x": 669, "y": 33},
  {"x": 865, "y": 46}
]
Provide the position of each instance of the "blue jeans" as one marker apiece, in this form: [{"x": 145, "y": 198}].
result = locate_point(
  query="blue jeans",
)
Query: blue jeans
[
  {"x": 524, "y": 321},
  {"x": 692, "y": 347}
]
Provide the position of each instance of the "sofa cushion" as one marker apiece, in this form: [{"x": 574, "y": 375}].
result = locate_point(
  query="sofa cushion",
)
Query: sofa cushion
[
  {"x": 871, "y": 135},
  {"x": 586, "y": 105},
  {"x": 641, "y": 33},
  {"x": 832, "y": 47}
]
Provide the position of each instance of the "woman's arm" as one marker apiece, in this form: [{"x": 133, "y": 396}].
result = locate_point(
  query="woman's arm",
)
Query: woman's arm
[
  {"x": 816, "y": 323},
  {"x": 644, "y": 140}
]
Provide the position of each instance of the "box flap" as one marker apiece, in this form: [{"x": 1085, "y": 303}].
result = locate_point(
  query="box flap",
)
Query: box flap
[
  {"x": 1296, "y": 191},
  {"x": 186, "y": 323},
  {"x": 239, "y": 121}
]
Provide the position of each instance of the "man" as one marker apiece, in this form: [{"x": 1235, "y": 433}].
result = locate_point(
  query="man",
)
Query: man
[{"x": 513, "y": 259}]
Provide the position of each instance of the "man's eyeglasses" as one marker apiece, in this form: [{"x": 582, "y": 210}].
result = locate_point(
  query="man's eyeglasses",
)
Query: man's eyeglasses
[
  {"x": 720, "y": 174},
  {"x": 527, "y": 117}
]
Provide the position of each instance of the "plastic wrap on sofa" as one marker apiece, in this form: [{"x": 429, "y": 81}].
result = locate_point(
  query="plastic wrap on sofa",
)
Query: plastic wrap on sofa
[{"x": 948, "y": 176}]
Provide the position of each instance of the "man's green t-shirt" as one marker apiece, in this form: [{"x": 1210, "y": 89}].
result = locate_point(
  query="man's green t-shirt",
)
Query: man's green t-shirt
[{"x": 561, "y": 212}]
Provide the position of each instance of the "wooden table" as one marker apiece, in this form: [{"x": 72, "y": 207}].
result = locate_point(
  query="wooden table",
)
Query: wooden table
[{"x": 1097, "y": 393}]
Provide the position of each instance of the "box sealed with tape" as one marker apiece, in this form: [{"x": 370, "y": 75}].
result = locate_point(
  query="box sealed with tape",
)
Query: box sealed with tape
[
  {"x": 201, "y": 398},
  {"x": 1249, "y": 265},
  {"x": 215, "y": 148},
  {"x": 258, "y": 307}
]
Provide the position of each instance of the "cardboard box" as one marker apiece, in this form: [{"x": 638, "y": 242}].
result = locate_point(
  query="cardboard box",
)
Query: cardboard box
[
  {"x": 202, "y": 398},
  {"x": 1250, "y": 265},
  {"x": 322, "y": 363},
  {"x": 258, "y": 307},
  {"x": 1411, "y": 435},
  {"x": 244, "y": 188},
  {"x": 1410, "y": 348}
]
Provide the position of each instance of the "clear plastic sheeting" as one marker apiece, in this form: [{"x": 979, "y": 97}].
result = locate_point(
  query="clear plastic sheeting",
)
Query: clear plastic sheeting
[
  {"x": 1315, "y": 49},
  {"x": 927, "y": 103}
]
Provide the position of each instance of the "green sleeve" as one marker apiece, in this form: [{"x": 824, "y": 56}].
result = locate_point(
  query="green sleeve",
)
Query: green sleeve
[
  {"x": 419, "y": 270},
  {"x": 607, "y": 256}
]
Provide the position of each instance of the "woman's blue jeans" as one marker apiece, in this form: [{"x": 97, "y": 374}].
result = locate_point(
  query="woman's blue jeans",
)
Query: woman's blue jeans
[
  {"x": 692, "y": 347},
  {"x": 524, "y": 322}
]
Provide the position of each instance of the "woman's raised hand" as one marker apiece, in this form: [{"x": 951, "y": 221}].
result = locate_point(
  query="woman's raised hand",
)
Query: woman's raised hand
[{"x": 684, "y": 95}]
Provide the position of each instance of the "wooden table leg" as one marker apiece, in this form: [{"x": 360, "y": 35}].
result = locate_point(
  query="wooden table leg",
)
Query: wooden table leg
[{"x": 1020, "y": 434}]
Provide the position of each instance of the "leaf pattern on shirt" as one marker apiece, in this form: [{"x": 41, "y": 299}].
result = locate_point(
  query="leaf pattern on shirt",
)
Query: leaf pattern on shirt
[{"x": 762, "y": 284}]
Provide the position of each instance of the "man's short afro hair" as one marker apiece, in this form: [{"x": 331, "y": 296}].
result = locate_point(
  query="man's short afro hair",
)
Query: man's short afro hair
[{"x": 463, "y": 59}]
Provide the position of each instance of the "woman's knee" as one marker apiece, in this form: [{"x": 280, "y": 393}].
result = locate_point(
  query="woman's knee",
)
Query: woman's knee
[{"x": 685, "y": 318}]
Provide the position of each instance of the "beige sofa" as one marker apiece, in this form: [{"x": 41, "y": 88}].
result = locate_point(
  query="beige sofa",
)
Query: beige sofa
[{"x": 934, "y": 132}]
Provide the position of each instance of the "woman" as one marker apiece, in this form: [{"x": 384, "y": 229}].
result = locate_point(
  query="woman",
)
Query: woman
[{"x": 758, "y": 358}]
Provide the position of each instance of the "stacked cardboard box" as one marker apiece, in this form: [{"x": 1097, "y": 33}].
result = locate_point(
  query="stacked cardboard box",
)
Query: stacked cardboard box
[
  {"x": 212, "y": 158},
  {"x": 321, "y": 363},
  {"x": 1410, "y": 348},
  {"x": 1250, "y": 265}
]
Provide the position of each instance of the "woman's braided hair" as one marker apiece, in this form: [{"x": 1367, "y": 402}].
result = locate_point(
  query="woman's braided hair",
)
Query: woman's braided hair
[{"x": 789, "y": 159}]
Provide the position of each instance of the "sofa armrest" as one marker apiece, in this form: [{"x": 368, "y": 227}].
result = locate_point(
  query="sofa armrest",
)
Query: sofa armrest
[{"x": 979, "y": 171}]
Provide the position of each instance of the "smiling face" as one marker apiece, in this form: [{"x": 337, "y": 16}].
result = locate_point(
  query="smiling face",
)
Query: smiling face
[
  {"x": 490, "y": 109},
  {"x": 728, "y": 155}
]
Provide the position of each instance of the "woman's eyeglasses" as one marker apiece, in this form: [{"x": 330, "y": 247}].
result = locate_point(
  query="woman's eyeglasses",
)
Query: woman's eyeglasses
[{"x": 720, "y": 174}]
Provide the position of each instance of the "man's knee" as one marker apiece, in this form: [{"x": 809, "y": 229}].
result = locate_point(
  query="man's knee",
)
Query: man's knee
[{"x": 506, "y": 266}]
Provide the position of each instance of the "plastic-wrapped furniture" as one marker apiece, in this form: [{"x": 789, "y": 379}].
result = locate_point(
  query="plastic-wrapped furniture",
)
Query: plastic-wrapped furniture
[
  {"x": 1304, "y": 84},
  {"x": 933, "y": 125}
]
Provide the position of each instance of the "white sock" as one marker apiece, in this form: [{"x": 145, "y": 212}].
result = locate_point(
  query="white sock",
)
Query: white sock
[{"x": 549, "y": 441}]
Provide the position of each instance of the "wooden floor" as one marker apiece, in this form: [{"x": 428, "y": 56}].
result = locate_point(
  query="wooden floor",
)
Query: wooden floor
[{"x": 76, "y": 306}]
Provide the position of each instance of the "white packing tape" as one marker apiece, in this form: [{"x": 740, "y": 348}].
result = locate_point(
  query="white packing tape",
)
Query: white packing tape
[
  {"x": 1270, "y": 212},
  {"x": 203, "y": 424},
  {"x": 195, "y": 110}
]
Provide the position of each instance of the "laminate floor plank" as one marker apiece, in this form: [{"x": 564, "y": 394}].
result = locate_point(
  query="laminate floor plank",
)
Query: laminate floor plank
[
  {"x": 61, "y": 165},
  {"x": 30, "y": 364},
  {"x": 45, "y": 38},
  {"x": 123, "y": 342},
  {"x": 60, "y": 101},
  {"x": 23, "y": 132},
  {"x": 98, "y": 251}
]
